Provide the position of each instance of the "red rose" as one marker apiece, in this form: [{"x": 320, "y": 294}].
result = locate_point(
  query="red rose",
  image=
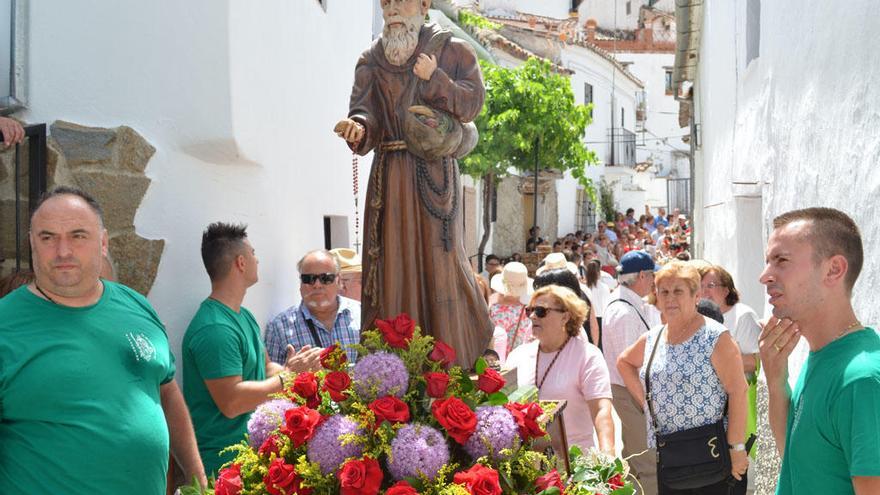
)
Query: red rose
[
  {"x": 456, "y": 417},
  {"x": 401, "y": 488},
  {"x": 300, "y": 424},
  {"x": 270, "y": 445},
  {"x": 479, "y": 480},
  {"x": 306, "y": 386},
  {"x": 336, "y": 383},
  {"x": 437, "y": 384},
  {"x": 333, "y": 358},
  {"x": 526, "y": 417},
  {"x": 283, "y": 480},
  {"x": 442, "y": 353},
  {"x": 389, "y": 409},
  {"x": 360, "y": 477},
  {"x": 397, "y": 332},
  {"x": 228, "y": 481},
  {"x": 490, "y": 381},
  {"x": 548, "y": 480},
  {"x": 616, "y": 481}
]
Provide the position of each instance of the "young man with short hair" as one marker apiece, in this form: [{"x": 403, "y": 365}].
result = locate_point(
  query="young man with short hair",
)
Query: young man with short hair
[{"x": 826, "y": 429}]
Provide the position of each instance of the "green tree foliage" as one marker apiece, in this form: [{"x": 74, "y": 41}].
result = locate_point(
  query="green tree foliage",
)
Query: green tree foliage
[{"x": 525, "y": 107}]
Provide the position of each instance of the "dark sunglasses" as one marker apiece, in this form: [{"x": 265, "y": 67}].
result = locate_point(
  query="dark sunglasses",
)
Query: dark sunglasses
[
  {"x": 541, "y": 311},
  {"x": 310, "y": 278}
]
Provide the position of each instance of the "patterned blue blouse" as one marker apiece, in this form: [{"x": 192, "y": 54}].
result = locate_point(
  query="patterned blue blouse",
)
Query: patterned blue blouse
[{"x": 686, "y": 391}]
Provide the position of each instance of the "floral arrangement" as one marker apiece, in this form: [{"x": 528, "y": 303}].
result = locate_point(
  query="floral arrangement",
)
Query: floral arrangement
[{"x": 403, "y": 421}]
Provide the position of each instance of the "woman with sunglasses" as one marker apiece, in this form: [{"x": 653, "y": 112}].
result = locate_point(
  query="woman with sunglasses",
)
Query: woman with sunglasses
[{"x": 563, "y": 365}]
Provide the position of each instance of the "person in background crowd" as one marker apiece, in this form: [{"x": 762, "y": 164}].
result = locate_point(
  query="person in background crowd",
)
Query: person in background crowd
[
  {"x": 626, "y": 318},
  {"x": 661, "y": 219},
  {"x": 826, "y": 428},
  {"x": 696, "y": 375},
  {"x": 350, "y": 272},
  {"x": 492, "y": 268},
  {"x": 226, "y": 370},
  {"x": 563, "y": 365},
  {"x": 507, "y": 306},
  {"x": 630, "y": 218},
  {"x": 89, "y": 401},
  {"x": 557, "y": 246},
  {"x": 323, "y": 318},
  {"x": 602, "y": 228},
  {"x": 742, "y": 321}
]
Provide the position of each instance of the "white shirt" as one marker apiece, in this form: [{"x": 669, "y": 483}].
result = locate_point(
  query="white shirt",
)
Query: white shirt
[
  {"x": 742, "y": 322},
  {"x": 622, "y": 327}
]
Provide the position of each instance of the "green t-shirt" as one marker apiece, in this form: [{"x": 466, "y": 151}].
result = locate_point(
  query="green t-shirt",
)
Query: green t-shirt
[
  {"x": 219, "y": 343},
  {"x": 833, "y": 430},
  {"x": 80, "y": 410}
]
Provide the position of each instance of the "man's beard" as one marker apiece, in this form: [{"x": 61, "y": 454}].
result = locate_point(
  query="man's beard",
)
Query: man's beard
[{"x": 400, "y": 41}]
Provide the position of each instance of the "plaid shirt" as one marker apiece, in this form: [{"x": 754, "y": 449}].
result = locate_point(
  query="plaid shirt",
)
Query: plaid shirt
[{"x": 290, "y": 327}]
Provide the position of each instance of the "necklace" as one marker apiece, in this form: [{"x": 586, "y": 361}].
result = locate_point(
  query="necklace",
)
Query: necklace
[
  {"x": 852, "y": 326},
  {"x": 44, "y": 294},
  {"x": 540, "y": 382}
]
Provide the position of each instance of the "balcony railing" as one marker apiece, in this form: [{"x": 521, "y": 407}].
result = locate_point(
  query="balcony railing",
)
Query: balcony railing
[{"x": 623, "y": 147}]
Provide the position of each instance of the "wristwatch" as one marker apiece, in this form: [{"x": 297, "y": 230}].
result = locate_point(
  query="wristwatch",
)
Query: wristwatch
[{"x": 739, "y": 447}]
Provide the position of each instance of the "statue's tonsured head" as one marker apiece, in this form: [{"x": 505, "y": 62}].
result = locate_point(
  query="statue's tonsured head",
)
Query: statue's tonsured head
[{"x": 403, "y": 20}]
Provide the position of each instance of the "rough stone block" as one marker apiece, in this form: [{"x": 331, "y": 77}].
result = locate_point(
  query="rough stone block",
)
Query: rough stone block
[
  {"x": 84, "y": 145},
  {"x": 134, "y": 150},
  {"x": 136, "y": 260},
  {"x": 7, "y": 229},
  {"x": 119, "y": 195}
]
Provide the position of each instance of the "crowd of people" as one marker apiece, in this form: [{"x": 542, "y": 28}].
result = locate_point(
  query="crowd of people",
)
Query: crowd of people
[{"x": 667, "y": 344}]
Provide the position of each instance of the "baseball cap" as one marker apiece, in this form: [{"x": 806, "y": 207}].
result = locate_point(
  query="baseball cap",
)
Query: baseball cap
[{"x": 636, "y": 261}]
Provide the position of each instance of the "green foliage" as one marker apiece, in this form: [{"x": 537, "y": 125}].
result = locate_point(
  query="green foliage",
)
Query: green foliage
[
  {"x": 528, "y": 106},
  {"x": 471, "y": 19},
  {"x": 606, "y": 201}
]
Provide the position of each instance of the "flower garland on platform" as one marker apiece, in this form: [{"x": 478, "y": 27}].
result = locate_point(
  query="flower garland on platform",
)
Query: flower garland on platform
[{"x": 404, "y": 421}]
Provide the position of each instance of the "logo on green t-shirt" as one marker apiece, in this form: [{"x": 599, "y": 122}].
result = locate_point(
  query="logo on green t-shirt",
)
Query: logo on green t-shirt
[{"x": 143, "y": 349}]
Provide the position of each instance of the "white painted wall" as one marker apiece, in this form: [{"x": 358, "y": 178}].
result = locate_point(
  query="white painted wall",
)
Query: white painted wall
[
  {"x": 801, "y": 121},
  {"x": 557, "y": 9},
  {"x": 662, "y": 134},
  {"x": 240, "y": 102},
  {"x": 611, "y": 14}
]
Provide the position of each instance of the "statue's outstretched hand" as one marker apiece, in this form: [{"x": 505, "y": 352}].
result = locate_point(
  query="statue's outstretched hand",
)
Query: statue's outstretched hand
[
  {"x": 425, "y": 66},
  {"x": 349, "y": 130}
]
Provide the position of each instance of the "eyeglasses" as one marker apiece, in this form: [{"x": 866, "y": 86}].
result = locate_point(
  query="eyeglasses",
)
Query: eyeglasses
[
  {"x": 541, "y": 311},
  {"x": 711, "y": 285},
  {"x": 311, "y": 278}
]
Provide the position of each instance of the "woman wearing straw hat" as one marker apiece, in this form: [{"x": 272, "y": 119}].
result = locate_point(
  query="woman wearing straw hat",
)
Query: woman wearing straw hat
[{"x": 507, "y": 306}]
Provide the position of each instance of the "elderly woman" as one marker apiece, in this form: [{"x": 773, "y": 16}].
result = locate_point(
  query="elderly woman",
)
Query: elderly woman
[
  {"x": 742, "y": 321},
  {"x": 507, "y": 307},
  {"x": 565, "y": 277},
  {"x": 563, "y": 365},
  {"x": 696, "y": 370}
]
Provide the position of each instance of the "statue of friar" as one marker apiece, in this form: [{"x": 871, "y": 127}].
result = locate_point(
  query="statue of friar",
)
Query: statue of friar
[{"x": 416, "y": 92}]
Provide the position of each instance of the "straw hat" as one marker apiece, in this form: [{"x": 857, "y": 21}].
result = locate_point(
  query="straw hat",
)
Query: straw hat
[
  {"x": 555, "y": 261},
  {"x": 349, "y": 261},
  {"x": 513, "y": 281}
]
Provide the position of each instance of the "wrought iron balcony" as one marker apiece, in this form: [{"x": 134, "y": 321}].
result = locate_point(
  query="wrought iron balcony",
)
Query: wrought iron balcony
[{"x": 622, "y": 150}]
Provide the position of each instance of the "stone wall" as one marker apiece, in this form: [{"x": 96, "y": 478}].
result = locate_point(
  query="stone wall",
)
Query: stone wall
[
  {"x": 509, "y": 231},
  {"x": 109, "y": 164}
]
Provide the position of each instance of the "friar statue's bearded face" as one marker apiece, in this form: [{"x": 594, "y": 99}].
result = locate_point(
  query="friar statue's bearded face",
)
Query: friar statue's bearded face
[{"x": 403, "y": 20}]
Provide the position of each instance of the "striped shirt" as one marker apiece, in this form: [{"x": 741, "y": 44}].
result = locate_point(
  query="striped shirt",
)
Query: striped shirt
[{"x": 291, "y": 327}]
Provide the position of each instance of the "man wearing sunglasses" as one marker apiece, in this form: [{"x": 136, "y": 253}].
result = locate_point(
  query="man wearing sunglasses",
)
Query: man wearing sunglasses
[
  {"x": 226, "y": 372},
  {"x": 323, "y": 318}
]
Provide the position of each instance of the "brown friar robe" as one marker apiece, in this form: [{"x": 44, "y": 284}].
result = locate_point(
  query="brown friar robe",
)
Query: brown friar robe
[{"x": 414, "y": 260}]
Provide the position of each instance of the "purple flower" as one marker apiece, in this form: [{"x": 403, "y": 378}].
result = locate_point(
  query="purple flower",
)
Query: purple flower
[
  {"x": 380, "y": 374},
  {"x": 417, "y": 450},
  {"x": 266, "y": 419},
  {"x": 326, "y": 446},
  {"x": 496, "y": 431}
]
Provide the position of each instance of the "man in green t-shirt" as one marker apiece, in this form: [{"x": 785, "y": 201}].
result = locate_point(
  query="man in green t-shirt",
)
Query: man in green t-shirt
[
  {"x": 827, "y": 429},
  {"x": 226, "y": 371},
  {"x": 88, "y": 402}
]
